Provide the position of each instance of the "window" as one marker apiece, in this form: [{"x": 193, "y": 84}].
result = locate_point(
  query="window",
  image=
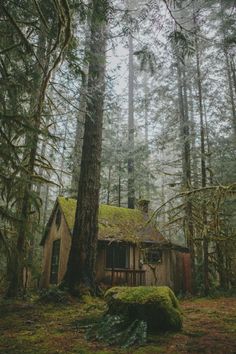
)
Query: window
[
  {"x": 55, "y": 261},
  {"x": 117, "y": 256},
  {"x": 152, "y": 255}
]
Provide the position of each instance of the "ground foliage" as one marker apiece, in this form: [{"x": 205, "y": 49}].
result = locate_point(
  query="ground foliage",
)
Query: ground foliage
[
  {"x": 31, "y": 327},
  {"x": 53, "y": 295},
  {"x": 118, "y": 330},
  {"x": 133, "y": 312}
]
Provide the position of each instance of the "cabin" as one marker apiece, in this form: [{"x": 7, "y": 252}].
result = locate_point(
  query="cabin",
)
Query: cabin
[{"x": 131, "y": 251}]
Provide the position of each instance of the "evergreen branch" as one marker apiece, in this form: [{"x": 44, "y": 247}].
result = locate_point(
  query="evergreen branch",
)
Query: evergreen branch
[
  {"x": 41, "y": 14},
  {"x": 38, "y": 178},
  {"x": 229, "y": 188}
]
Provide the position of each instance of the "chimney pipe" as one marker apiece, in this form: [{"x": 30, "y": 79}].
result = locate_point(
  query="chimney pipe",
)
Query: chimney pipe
[{"x": 142, "y": 205}]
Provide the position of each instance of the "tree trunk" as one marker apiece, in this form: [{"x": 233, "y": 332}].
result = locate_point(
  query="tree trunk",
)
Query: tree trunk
[
  {"x": 77, "y": 153},
  {"x": 232, "y": 65},
  {"x": 228, "y": 71},
  {"x": 109, "y": 185},
  {"x": 80, "y": 274},
  {"x": 43, "y": 73},
  {"x": 203, "y": 167},
  {"x": 186, "y": 162},
  {"x": 119, "y": 184},
  {"x": 131, "y": 190},
  {"x": 209, "y": 153},
  {"x": 31, "y": 142},
  {"x": 231, "y": 91},
  {"x": 146, "y": 133},
  {"x": 193, "y": 141}
]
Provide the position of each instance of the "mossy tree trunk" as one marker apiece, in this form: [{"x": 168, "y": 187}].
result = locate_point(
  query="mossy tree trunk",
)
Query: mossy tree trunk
[
  {"x": 80, "y": 274},
  {"x": 43, "y": 68},
  {"x": 24, "y": 204}
]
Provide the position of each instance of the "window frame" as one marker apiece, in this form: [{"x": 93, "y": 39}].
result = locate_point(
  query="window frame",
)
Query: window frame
[
  {"x": 152, "y": 255},
  {"x": 55, "y": 261},
  {"x": 117, "y": 262}
]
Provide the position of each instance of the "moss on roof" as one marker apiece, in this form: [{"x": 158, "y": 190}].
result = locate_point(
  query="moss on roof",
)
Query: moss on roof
[{"x": 115, "y": 223}]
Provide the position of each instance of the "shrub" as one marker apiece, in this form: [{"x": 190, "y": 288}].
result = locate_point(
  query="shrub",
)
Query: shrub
[{"x": 53, "y": 295}]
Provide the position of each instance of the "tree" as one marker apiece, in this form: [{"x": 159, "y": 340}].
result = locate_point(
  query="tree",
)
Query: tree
[
  {"x": 80, "y": 274},
  {"x": 131, "y": 190},
  {"x": 35, "y": 67},
  {"x": 77, "y": 151}
]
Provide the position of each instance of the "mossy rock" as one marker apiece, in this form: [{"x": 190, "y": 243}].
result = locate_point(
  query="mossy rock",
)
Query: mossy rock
[{"x": 157, "y": 306}]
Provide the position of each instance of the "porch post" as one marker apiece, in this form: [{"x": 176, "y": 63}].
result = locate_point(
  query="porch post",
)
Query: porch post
[{"x": 134, "y": 275}]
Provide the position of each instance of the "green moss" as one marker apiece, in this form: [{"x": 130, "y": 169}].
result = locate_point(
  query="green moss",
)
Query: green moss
[
  {"x": 68, "y": 206},
  {"x": 114, "y": 222},
  {"x": 158, "y": 306}
]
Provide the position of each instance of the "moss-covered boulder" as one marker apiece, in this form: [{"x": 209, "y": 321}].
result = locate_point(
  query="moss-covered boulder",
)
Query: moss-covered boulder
[{"x": 157, "y": 306}]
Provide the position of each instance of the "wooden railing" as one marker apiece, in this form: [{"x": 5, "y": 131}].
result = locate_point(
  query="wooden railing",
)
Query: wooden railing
[{"x": 130, "y": 277}]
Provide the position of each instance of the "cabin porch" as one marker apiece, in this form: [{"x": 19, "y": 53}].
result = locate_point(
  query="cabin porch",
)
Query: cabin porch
[{"x": 128, "y": 277}]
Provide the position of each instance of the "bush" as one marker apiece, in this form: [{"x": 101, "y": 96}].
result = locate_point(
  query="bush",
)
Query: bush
[{"x": 53, "y": 295}]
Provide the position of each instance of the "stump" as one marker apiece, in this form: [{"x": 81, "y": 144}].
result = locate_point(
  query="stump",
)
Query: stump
[{"x": 157, "y": 306}]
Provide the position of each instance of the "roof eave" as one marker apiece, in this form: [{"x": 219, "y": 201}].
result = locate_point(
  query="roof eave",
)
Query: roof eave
[{"x": 49, "y": 223}]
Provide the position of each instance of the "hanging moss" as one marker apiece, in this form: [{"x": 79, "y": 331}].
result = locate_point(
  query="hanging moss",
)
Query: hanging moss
[
  {"x": 157, "y": 306},
  {"x": 115, "y": 223}
]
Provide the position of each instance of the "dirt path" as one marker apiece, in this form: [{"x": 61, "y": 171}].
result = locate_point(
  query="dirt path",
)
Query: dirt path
[{"x": 209, "y": 327}]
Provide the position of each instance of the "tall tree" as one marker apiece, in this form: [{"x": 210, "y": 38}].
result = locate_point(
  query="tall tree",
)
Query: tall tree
[
  {"x": 203, "y": 158},
  {"x": 80, "y": 274},
  {"x": 77, "y": 151},
  {"x": 37, "y": 65},
  {"x": 131, "y": 190}
]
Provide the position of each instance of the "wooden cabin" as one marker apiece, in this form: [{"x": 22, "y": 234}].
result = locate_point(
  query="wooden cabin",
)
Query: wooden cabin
[{"x": 130, "y": 252}]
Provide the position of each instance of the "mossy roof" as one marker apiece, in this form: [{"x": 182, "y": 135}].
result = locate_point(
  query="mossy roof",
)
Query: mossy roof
[{"x": 116, "y": 223}]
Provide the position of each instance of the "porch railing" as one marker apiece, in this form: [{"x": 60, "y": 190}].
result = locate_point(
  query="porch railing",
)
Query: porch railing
[{"x": 130, "y": 277}]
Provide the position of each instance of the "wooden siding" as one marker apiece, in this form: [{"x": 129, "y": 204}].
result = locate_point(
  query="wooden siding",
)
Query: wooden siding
[
  {"x": 173, "y": 270},
  {"x": 56, "y": 233}
]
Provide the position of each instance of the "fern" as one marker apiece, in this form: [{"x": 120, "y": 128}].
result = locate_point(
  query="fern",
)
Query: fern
[{"x": 118, "y": 330}]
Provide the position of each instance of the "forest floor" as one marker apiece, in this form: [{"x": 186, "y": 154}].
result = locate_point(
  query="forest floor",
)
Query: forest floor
[{"x": 34, "y": 328}]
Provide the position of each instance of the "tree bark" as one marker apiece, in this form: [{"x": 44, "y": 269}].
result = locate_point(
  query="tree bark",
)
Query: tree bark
[
  {"x": 131, "y": 189},
  {"x": 77, "y": 153},
  {"x": 80, "y": 275},
  {"x": 186, "y": 161},
  {"x": 109, "y": 185},
  {"x": 146, "y": 133},
  {"x": 203, "y": 166}
]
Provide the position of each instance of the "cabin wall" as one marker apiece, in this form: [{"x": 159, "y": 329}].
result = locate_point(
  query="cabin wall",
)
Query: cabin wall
[
  {"x": 100, "y": 262},
  {"x": 65, "y": 248},
  {"x": 56, "y": 233},
  {"x": 134, "y": 257},
  {"x": 174, "y": 271},
  {"x": 161, "y": 273},
  {"x": 107, "y": 277}
]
